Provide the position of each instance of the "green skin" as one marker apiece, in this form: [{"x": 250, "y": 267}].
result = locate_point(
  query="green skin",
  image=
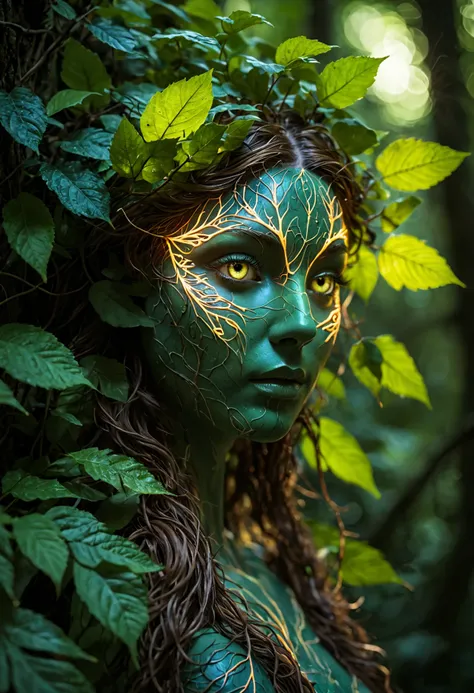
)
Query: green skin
[{"x": 269, "y": 318}]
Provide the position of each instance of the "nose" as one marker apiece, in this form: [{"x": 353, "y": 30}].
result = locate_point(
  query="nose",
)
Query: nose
[{"x": 293, "y": 324}]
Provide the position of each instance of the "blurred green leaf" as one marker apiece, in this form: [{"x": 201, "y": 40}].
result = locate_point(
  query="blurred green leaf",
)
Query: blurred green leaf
[
  {"x": 346, "y": 80},
  {"x": 8, "y": 398},
  {"x": 353, "y": 137},
  {"x": 117, "y": 510},
  {"x": 363, "y": 273},
  {"x": 23, "y": 116},
  {"x": 82, "y": 69},
  {"x": 408, "y": 261},
  {"x": 365, "y": 360},
  {"x": 30, "y": 230},
  {"x": 396, "y": 213},
  {"x": 240, "y": 20},
  {"x": 113, "y": 304},
  {"x": 205, "y": 9},
  {"x": 64, "y": 9},
  {"x": 330, "y": 383},
  {"x": 67, "y": 98},
  {"x": 411, "y": 164},
  {"x": 179, "y": 110},
  {"x": 193, "y": 37},
  {"x": 344, "y": 456},
  {"x": 108, "y": 375}
]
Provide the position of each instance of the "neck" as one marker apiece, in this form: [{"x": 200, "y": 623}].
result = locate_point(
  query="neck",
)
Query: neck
[{"x": 205, "y": 453}]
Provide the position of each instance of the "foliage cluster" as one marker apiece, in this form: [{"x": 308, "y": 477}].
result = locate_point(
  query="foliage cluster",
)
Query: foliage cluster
[{"x": 153, "y": 91}]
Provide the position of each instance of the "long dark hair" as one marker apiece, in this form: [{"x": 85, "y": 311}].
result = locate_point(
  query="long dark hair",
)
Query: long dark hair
[{"x": 189, "y": 594}]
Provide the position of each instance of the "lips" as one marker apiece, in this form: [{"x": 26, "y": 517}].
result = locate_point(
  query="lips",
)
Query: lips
[{"x": 282, "y": 375}]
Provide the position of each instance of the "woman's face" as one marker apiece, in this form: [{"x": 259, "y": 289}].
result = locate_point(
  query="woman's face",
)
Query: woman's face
[{"x": 247, "y": 306}]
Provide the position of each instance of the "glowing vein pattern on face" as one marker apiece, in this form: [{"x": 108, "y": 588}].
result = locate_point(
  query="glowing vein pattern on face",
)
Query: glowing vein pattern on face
[{"x": 243, "y": 207}]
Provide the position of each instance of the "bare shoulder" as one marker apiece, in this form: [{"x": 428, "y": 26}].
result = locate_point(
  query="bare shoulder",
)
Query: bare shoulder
[{"x": 222, "y": 666}]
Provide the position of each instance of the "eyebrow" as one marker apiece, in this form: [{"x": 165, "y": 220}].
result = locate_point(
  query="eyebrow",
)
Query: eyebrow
[{"x": 333, "y": 248}]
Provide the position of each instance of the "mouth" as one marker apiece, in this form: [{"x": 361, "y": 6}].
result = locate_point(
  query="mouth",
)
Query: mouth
[{"x": 283, "y": 382}]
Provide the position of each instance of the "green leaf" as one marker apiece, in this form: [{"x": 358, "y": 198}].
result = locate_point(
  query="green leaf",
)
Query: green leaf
[
  {"x": 27, "y": 487},
  {"x": 362, "y": 564},
  {"x": 108, "y": 375},
  {"x": 193, "y": 37},
  {"x": 112, "y": 302},
  {"x": 7, "y": 397},
  {"x": 99, "y": 547},
  {"x": 111, "y": 122},
  {"x": 353, "y": 137},
  {"x": 362, "y": 275},
  {"x": 136, "y": 96},
  {"x": 159, "y": 160},
  {"x": 118, "y": 600},
  {"x": 365, "y": 360},
  {"x": 127, "y": 151},
  {"x": 119, "y": 471},
  {"x": 36, "y": 357},
  {"x": 114, "y": 35},
  {"x": 267, "y": 67},
  {"x": 30, "y": 230},
  {"x": 81, "y": 191},
  {"x": 240, "y": 20},
  {"x": 202, "y": 148},
  {"x": 204, "y": 9},
  {"x": 64, "y": 9},
  {"x": 398, "y": 212},
  {"x": 346, "y": 80},
  {"x": 90, "y": 142},
  {"x": 399, "y": 372},
  {"x": 344, "y": 456},
  {"x": 299, "y": 47},
  {"x": 7, "y": 577},
  {"x": 236, "y": 132},
  {"x": 33, "y": 631},
  {"x": 179, "y": 110},
  {"x": 331, "y": 384},
  {"x": 411, "y": 164},
  {"x": 67, "y": 98},
  {"x": 23, "y": 116},
  {"x": 408, "y": 261},
  {"x": 40, "y": 540},
  {"x": 117, "y": 510},
  {"x": 31, "y": 673},
  {"x": 84, "y": 70}
]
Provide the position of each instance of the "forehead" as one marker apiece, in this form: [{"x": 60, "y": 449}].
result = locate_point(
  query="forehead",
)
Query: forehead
[{"x": 295, "y": 205}]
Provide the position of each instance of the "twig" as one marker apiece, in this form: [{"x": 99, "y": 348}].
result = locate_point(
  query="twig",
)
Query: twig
[{"x": 24, "y": 29}]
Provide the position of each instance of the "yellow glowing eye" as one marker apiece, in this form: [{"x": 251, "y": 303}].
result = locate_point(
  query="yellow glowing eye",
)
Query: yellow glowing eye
[
  {"x": 238, "y": 270},
  {"x": 325, "y": 284}
]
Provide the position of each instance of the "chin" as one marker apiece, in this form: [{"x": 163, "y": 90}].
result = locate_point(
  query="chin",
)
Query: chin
[{"x": 271, "y": 428}]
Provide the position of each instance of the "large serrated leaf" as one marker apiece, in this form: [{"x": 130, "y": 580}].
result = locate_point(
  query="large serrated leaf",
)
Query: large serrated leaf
[
  {"x": 399, "y": 372},
  {"x": 363, "y": 273},
  {"x": 240, "y": 20},
  {"x": 32, "y": 673},
  {"x": 114, "y": 35},
  {"x": 92, "y": 143},
  {"x": 30, "y": 230},
  {"x": 299, "y": 47},
  {"x": 353, "y": 136},
  {"x": 344, "y": 456},
  {"x": 23, "y": 115},
  {"x": 179, "y": 110},
  {"x": 192, "y": 37},
  {"x": 201, "y": 150},
  {"x": 36, "y": 357},
  {"x": 365, "y": 360},
  {"x": 128, "y": 150},
  {"x": 118, "y": 470},
  {"x": 27, "y": 487},
  {"x": 81, "y": 191},
  {"x": 411, "y": 164},
  {"x": 82, "y": 69},
  {"x": 40, "y": 540},
  {"x": 346, "y": 80},
  {"x": 407, "y": 261},
  {"x": 117, "y": 599}
]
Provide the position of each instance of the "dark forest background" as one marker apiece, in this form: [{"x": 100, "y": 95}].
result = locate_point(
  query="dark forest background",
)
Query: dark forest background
[{"x": 423, "y": 460}]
